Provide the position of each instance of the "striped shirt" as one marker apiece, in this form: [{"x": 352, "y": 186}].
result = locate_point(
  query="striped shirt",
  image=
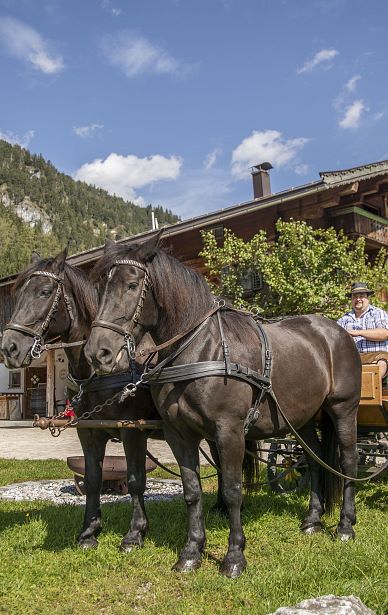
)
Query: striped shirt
[{"x": 373, "y": 318}]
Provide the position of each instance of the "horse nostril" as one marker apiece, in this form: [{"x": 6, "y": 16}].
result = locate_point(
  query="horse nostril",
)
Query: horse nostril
[
  {"x": 12, "y": 349},
  {"x": 104, "y": 356}
]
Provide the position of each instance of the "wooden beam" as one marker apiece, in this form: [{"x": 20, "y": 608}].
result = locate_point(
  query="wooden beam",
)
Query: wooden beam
[
  {"x": 353, "y": 189},
  {"x": 50, "y": 384}
]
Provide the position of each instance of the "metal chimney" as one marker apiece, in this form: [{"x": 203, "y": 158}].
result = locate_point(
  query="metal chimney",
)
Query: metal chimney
[{"x": 261, "y": 180}]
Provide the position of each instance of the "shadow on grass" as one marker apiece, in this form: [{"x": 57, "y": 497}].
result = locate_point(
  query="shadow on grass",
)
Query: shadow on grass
[{"x": 167, "y": 519}]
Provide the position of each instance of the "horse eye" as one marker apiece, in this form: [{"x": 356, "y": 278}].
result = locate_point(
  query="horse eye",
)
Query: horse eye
[
  {"x": 132, "y": 285},
  {"x": 45, "y": 292}
]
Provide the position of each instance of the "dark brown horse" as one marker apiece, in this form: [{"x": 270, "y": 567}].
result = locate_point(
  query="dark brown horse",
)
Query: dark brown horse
[
  {"x": 54, "y": 300},
  {"x": 315, "y": 366}
]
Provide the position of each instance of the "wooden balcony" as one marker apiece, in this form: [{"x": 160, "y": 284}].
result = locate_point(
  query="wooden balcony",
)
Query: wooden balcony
[{"x": 357, "y": 222}]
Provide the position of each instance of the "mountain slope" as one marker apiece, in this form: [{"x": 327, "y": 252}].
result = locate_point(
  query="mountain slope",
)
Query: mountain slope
[{"x": 41, "y": 209}]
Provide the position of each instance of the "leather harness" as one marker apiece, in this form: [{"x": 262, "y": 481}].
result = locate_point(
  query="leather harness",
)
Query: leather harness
[{"x": 161, "y": 374}]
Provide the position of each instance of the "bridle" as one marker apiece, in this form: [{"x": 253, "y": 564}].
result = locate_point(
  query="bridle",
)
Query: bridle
[
  {"x": 127, "y": 333},
  {"x": 38, "y": 334}
]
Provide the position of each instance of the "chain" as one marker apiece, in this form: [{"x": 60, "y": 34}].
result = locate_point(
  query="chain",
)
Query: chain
[{"x": 56, "y": 431}]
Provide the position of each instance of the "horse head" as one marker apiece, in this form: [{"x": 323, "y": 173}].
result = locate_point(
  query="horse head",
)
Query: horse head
[
  {"x": 42, "y": 310},
  {"x": 127, "y": 307}
]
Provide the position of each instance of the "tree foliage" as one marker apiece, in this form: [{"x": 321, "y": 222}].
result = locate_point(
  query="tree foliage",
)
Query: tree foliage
[{"x": 304, "y": 271}]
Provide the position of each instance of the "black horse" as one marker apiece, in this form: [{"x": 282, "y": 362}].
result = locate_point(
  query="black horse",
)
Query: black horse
[
  {"x": 55, "y": 299},
  {"x": 315, "y": 366}
]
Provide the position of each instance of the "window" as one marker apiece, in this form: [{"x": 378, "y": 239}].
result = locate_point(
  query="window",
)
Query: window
[
  {"x": 218, "y": 232},
  {"x": 15, "y": 380},
  {"x": 373, "y": 209},
  {"x": 252, "y": 281}
]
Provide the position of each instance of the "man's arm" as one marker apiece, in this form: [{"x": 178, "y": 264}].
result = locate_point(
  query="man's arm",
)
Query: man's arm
[{"x": 374, "y": 335}]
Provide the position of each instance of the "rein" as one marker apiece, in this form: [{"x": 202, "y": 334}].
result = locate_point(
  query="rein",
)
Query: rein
[{"x": 38, "y": 345}]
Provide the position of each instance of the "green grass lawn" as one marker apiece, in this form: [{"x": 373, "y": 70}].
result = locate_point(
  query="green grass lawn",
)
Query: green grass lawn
[{"x": 42, "y": 572}]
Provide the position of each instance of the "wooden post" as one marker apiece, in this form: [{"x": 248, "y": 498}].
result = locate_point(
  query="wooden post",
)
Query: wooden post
[{"x": 50, "y": 385}]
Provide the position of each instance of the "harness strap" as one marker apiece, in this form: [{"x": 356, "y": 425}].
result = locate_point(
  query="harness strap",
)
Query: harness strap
[
  {"x": 225, "y": 347},
  {"x": 105, "y": 324},
  {"x": 100, "y": 383},
  {"x": 204, "y": 369},
  {"x": 16, "y": 327}
]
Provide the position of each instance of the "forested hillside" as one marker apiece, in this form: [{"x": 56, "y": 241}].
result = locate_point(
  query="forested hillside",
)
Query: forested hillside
[{"x": 41, "y": 209}]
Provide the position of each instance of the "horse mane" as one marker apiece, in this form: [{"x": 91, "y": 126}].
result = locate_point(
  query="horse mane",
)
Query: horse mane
[
  {"x": 176, "y": 286},
  {"x": 75, "y": 278}
]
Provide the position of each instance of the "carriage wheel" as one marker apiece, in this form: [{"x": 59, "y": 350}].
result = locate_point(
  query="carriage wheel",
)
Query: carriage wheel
[
  {"x": 116, "y": 487},
  {"x": 287, "y": 470},
  {"x": 79, "y": 482}
]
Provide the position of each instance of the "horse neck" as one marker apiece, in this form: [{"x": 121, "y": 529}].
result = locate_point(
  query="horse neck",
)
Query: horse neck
[
  {"x": 79, "y": 330},
  {"x": 185, "y": 300}
]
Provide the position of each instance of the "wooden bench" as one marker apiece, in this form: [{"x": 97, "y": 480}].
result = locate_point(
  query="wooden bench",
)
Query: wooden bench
[{"x": 373, "y": 409}]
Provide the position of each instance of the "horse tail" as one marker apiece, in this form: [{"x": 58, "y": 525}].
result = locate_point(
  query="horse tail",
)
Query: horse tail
[
  {"x": 251, "y": 465},
  {"x": 332, "y": 484}
]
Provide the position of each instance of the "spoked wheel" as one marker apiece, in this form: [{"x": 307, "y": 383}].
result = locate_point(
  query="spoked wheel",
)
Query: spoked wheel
[
  {"x": 114, "y": 487},
  {"x": 79, "y": 483},
  {"x": 287, "y": 469}
]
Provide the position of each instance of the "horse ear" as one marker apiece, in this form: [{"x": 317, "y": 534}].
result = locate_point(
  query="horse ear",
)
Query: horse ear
[
  {"x": 35, "y": 257},
  {"x": 147, "y": 249},
  {"x": 109, "y": 243},
  {"x": 58, "y": 263}
]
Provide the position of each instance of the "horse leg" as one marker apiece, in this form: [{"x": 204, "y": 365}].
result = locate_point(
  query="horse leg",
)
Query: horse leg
[
  {"x": 312, "y": 522},
  {"x": 231, "y": 448},
  {"x": 220, "y": 506},
  {"x": 187, "y": 455},
  {"x": 135, "y": 447},
  {"x": 93, "y": 442},
  {"x": 345, "y": 424}
]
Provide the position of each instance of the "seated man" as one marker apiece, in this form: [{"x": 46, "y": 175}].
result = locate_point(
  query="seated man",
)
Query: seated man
[{"x": 368, "y": 325}]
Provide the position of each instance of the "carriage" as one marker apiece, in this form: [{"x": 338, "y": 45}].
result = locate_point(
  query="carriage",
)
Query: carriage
[{"x": 286, "y": 464}]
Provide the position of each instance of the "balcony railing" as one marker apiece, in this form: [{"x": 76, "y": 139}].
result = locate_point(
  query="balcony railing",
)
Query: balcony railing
[{"x": 355, "y": 221}]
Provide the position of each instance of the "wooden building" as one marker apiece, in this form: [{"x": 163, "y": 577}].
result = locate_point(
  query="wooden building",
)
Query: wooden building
[{"x": 355, "y": 200}]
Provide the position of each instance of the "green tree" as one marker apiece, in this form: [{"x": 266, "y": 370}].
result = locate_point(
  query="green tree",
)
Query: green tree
[{"x": 304, "y": 271}]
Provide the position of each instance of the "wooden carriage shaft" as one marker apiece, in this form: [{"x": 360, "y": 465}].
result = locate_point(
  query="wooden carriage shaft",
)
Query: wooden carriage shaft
[{"x": 45, "y": 423}]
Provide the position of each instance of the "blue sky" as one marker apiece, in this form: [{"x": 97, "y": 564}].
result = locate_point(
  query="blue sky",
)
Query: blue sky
[{"x": 171, "y": 102}]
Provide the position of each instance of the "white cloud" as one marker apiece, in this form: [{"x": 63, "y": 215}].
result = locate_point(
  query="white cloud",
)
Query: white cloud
[
  {"x": 353, "y": 115},
  {"x": 135, "y": 55},
  {"x": 87, "y": 131},
  {"x": 211, "y": 159},
  {"x": 106, "y": 4},
  {"x": 26, "y": 44},
  {"x": 196, "y": 193},
  {"x": 352, "y": 83},
  {"x": 123, "y": 175},
  {"x": 267, "y": 145},
  {"x": 322, "y": 57},
  {"x": 23, "y": 141},
  {"x": 302, "y": 169}
]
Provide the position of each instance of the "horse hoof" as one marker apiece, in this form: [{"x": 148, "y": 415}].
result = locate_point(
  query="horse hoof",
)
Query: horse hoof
[
  {"x": 128, "y": 547},
  {"x": 87, "y": 543},
  {"x": 187, "y": 565},
  {"x": 346, "y": 537},
  {"x": 312, "y": 528},
  {"x": 232, "y": 570}
]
